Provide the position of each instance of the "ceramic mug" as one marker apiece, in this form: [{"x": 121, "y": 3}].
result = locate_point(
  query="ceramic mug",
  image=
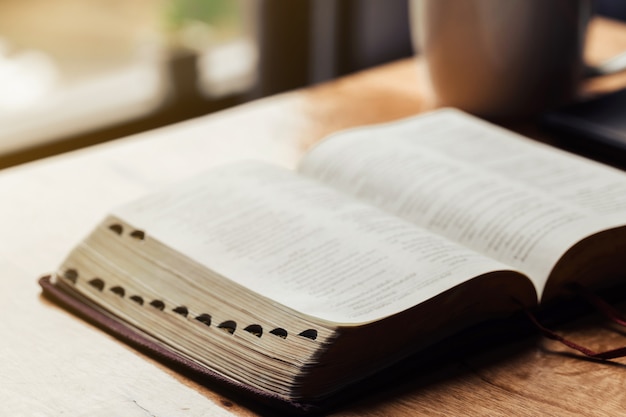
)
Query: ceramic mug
[{"x": 501, "y": 58}]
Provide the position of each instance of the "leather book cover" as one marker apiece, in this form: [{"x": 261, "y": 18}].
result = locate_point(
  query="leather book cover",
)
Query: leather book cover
[{"x": 147, "y": 345}]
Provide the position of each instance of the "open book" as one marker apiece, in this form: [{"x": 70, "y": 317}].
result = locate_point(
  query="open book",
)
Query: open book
[{"x": 388, "y": 238}]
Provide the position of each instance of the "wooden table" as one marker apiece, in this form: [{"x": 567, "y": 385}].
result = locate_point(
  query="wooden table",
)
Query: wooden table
[{"x": 55, "y": 364}]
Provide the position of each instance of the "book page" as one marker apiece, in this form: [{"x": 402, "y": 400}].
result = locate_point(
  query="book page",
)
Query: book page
[
  {"x": 303, "y": 244},
  {"x": 515, "y": 200}
]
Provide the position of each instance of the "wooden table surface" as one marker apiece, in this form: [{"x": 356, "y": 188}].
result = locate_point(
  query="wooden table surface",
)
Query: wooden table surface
[{"x": 54, "y": 364}]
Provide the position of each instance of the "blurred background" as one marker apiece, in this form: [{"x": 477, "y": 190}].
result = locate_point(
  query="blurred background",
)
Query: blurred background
[{"x": 78, "y": 72}]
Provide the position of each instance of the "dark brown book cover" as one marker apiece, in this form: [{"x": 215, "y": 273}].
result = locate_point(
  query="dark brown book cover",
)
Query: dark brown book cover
[{"x": 171, "y": 358}]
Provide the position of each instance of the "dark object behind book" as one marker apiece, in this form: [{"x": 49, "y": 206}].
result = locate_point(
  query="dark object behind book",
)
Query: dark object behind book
[{"x": 594, "y": 128}]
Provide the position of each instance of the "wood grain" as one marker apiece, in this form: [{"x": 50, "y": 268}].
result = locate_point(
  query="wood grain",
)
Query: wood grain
[{"x": 54, "y": 364}]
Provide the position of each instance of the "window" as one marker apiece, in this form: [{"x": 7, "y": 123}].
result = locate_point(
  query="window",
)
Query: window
[
  {"x": 72, "y": 67},
  {"x": 77, "y": 72}
]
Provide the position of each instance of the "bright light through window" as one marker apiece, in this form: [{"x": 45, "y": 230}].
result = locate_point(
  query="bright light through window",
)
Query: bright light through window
[{"x": 68, "y": 66}]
